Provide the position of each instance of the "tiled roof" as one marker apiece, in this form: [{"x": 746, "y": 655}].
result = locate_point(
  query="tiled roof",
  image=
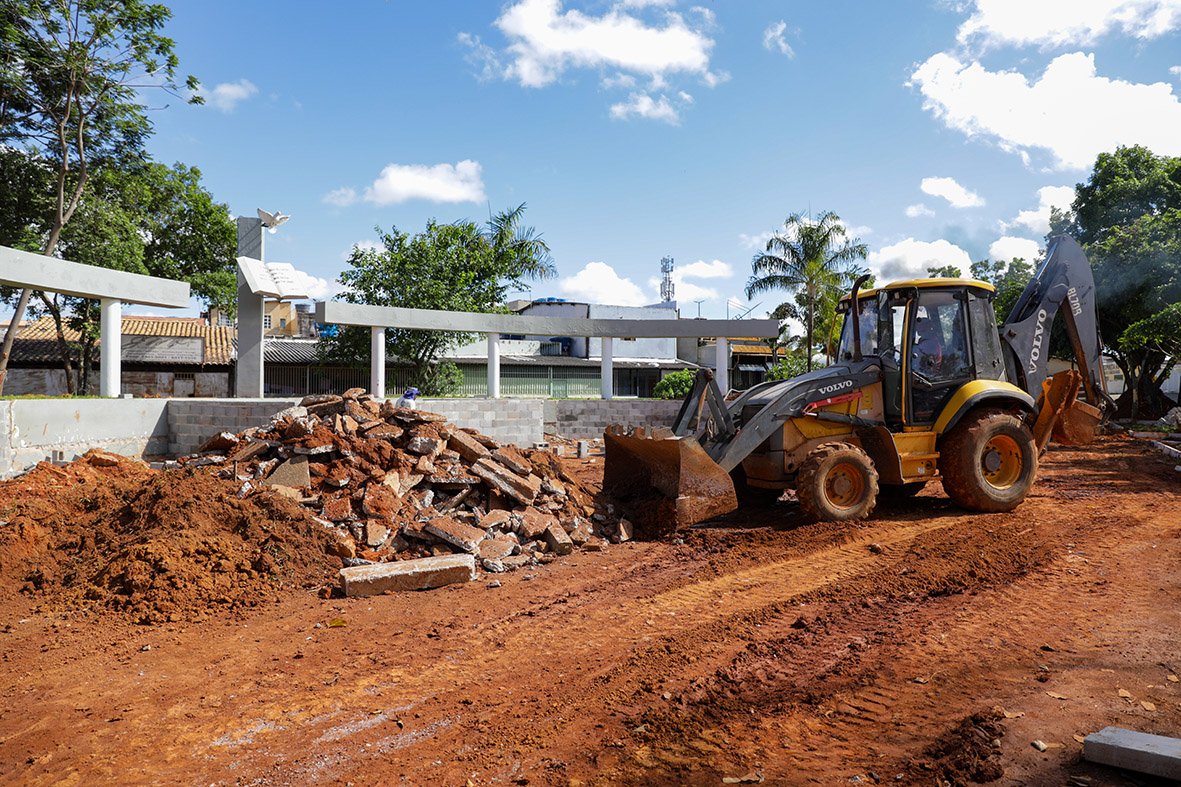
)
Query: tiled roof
[
  {"x": 751, "y": 349},
  {"x": 302, "y": 351},
  {"x": 37, "y": 342}
]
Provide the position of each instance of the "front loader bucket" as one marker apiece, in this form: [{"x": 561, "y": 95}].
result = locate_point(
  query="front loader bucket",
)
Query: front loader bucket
[
  {"x": 1078, "y": 424},
  {"x": 666, "y": 482},
  {"x": 1062, "y": 416}
]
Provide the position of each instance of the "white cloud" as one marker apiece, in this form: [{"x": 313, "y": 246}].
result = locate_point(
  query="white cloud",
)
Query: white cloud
[
  {"x": 1037, "y": 221},
  {"x": 1055, "y": 23},
  {"x": 773, "y": 39},
  {"x": 1175, "y": 71},
  {"x": 226, "y": 95},
  {"x": 755, "y": 242},
  {"x": 1008, "y": 247},
  {"x": 317, "y": 289},
  {"x": 482, "y": 57},
  {"x": 643, "y": 105},
  {"x": 918, "y": 209},
  {"x": 686, "y": 291},
  {"x": 645, "y": 3},
  {"x": 625, "y": 81},
  {"x": 705, "y": 270},
  {"x": 1055, "y": 112},
  {"x": 909, "y": 259},
  {"x": 399, "y": 183},
  {"x": 598, "y": 282},
  {"x": 858, "y": 231},
  {"x": 953, "y": 192},
  {"x": 342, "y": 197},
  {"x": 546, "y": 41},
  {"x": 712, "y": 79}
]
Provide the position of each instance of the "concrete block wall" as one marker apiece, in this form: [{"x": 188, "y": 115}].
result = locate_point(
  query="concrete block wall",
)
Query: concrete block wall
[
  {"x": 517, "y": 421},
  {"x": 585, "y": 419},
  {"x": 193, "y": 421}
]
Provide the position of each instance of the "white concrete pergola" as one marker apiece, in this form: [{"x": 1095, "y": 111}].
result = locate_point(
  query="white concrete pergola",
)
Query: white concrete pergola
[
  {"x": 378, "y": 318},
  {"x": 111, "y": 288}
]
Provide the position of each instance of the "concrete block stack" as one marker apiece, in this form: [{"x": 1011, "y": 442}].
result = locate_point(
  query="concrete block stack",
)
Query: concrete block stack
[{"x": 396, "y": 485}]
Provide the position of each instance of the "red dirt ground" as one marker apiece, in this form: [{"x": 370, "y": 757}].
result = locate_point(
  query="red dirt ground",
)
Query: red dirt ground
[{"x": 927, "y": 646}]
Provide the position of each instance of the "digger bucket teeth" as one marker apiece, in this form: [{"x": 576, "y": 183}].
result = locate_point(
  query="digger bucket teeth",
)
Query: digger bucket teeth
[
  {"x": 670, "y": 480},
  {"x": 1078, "y": 424}
]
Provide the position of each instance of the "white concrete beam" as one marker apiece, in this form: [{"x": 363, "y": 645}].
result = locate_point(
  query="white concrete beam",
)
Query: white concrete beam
[
  {"x": 377, "y": 362},
  {"x": 338, "y": 313},
  {"x": 110, "y": 348},
  {"x": 722, "y": 364},
  {"x": 25, "y": 269},
  {"x": 607, "y": 371},
  {"x": 494, "y": 366}
]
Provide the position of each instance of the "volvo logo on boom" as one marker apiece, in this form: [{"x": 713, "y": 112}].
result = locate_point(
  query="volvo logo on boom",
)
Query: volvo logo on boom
[
  {"x": 1039, "y": 332},
  {"x": 835, "y": 386}
]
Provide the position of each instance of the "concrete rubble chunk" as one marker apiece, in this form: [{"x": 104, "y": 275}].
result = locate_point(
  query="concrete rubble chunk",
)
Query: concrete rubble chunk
[
  {"x": 534, "y": 523},
  {"x": 494, "y": 518},
  {"x": 420, "y": 574},
  {"x": 456, "y": 533},
  {"x": 222, "y": 441},
  {"x": 506, "y": 481},
  {"x": 557, "y": 539},
  {"x": 466, "y": 446},
  {"x": 352, "y": 393},
  {"x": 248, "y": 451},
  {"x": 315, "y": 450},
  {"x": 495, "y": 549},
  {"x": 582, "y": 531},
  {"x": 623, "y": 531},
  {"x": 424, "y": 446},
  {"x": 312, "y": 399},
  {"x": 376, "y": 533},
  {"x": 512, "y": 460},
  {"x": 293, "y": 473},
  {"x": 338, "y": 509},
  {"x": 1156, "y": 755}
]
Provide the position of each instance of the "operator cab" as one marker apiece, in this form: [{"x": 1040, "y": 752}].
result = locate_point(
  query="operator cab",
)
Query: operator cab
[{"x": 930, "y": 336}]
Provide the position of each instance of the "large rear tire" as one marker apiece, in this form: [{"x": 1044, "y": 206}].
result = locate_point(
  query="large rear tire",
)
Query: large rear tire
[
  {"x": 837, "y": 482},
  {"x": 988, "y": 461}
]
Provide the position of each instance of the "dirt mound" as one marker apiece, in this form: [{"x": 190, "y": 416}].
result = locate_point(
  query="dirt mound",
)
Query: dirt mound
[
  {"x": 967, "y": 754},
  {"x": 159, "y": 546}
]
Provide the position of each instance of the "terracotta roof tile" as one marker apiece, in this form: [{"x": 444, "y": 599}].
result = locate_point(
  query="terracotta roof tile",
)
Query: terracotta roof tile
[{"x": 37, "y": 342}]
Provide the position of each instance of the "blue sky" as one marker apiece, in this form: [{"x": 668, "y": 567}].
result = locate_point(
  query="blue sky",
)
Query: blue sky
[{"x": 635, "y": 129}]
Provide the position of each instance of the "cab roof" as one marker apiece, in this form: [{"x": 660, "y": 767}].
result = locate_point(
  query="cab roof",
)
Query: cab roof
[{"x": 922, "y": 283}]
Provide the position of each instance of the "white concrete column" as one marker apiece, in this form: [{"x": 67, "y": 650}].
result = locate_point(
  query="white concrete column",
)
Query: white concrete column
[
  {"x": 494, "y": 366},
  {"x": 607, "y": 371},
  {"x": 377, "y": 362},
  {"x": 722, "y": 363},
  {"x": 111, "y": 353},
  {"x": 248, "y": 369}
]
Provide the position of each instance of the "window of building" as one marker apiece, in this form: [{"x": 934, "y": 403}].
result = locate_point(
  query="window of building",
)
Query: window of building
[
  {"x": 266, "y": 322},
  {"x": 282, "y": 323}
]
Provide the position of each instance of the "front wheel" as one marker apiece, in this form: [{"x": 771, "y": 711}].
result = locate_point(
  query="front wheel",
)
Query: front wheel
[
  {"x": 837, "y": 482},
  {"x": 988, "y": 461}
]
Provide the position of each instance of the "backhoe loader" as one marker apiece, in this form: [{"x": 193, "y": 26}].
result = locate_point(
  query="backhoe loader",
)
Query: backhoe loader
[{"x": 923, "y": 386}]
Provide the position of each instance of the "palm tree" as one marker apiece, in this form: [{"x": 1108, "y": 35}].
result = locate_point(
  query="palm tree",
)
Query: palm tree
[
  {"x": 808, "y": 257},
  {"x": 520, "y": 251}
]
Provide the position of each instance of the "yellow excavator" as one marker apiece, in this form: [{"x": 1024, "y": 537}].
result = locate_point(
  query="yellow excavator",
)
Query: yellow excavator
[{"x": 924, "y": 386}]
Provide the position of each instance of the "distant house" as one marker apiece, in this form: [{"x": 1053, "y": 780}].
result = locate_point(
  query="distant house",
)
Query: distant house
[{"x": 162, "y": 356}]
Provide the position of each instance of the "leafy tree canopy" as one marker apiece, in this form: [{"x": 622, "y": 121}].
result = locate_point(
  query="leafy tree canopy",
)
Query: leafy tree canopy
[
  {"x": 675, "y": 385},
  {"x": 451, "y": 267}
]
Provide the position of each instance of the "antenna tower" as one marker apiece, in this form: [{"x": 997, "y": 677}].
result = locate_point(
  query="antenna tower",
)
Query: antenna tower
[{"x": 667, "y": 288}]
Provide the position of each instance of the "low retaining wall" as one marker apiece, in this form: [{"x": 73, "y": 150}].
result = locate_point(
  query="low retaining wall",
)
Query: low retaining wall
[
  {"x": 585, "y": 419},
  {"x": 33, "y": 429}
]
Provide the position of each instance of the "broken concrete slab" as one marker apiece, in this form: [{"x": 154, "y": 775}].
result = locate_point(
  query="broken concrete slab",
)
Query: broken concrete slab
[
  {"x": 420, "y": 574},
  {"x": 220, "y": 442},
  {"x": 376, "y": 533},
  {"x": 425, "y": 446},
  {"x": 494, "y": 549},
  {"x": 293, "y": 473},
  {"x": 506, "y": 481},
  {"x": 466, "y": 446},
  {"x": 456, "y": 533},
  {"x": 534, "y": 523},
  {"x": 338, "y": 509},
  {"x": 1155, "y": 755},
  {"x": 509, "y": 457},
  {"x": 494, "y": 518},
  {"x": 558, "y": 540}
]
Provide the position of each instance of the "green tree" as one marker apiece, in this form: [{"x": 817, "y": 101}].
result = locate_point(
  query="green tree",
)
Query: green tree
[
  {"x": 451, "y": 267},
  {"x": 788, "y": 366},
  {"x": 143, "y": 218},
  {"x": 945, "y": 272},
  {"x": 1128, "y": 218},
  {"x": 813, "y": 259},
  {"x": 71, "y": 72},
  {"x": 675, "y": 385},
  {"x": 1008, "y": 277}
]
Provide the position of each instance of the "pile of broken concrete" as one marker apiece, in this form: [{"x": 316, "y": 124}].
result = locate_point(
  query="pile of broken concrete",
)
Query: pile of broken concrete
[{"x": 414, "y": 501}]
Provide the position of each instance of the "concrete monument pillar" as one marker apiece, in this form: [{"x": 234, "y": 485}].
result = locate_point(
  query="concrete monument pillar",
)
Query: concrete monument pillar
[
  {"x": 377, "y": 362},
  {"x": 248, "y": 370},
  {"x": 111, "y": 354},
  {"x": 494, "y": 366},
  {"x": 606, "y": 370}
]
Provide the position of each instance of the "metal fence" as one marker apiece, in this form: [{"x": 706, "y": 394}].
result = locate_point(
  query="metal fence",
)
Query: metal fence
[{"x": 550, "y": 382}]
